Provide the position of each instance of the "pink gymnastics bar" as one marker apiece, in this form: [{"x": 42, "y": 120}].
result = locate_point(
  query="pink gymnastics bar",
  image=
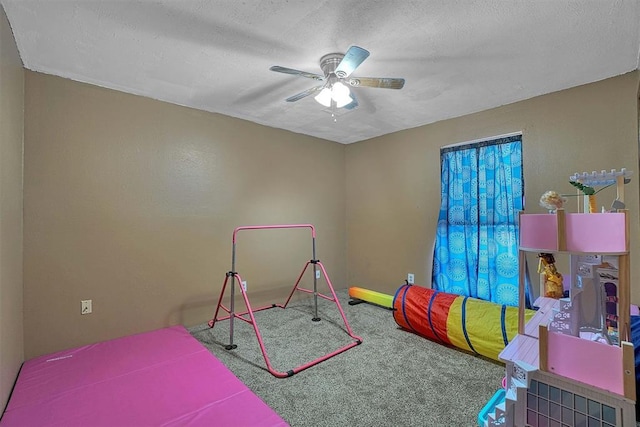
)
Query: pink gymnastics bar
[
  {"x": 235, "y": 277},
  {"x": 269, "y": 227}
]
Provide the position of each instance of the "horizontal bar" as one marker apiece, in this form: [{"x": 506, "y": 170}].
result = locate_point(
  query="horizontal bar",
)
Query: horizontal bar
[
  {"x": 244, "y": 313},
  {"x": 322, "y": 358},
  {"x": 240, "y": 315},
  {"x": 269, "y": 227},
  {"x": 310, "y": 291}
]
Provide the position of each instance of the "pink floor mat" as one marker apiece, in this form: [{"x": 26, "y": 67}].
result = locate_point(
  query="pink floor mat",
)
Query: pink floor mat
[{"x": 160, "y": 378}]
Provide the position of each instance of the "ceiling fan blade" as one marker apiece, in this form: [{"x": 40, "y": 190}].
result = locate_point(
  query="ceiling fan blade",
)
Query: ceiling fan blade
[
  {"x": 381, "y": 82},
  {"x": 304, "y": 94},
  {"x": 291, "y": 71},
  {"x": 352, "y": 59}
]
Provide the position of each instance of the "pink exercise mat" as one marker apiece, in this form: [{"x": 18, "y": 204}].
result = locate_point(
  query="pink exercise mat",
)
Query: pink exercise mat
[{"x": 159, "y": 378}]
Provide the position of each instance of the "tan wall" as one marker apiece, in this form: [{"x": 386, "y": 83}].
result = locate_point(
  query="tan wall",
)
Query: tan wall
[
  {"x": 11, "y": 132},
  {"x": 131, "y": 202},
  {"x": 393, "y": 182}
]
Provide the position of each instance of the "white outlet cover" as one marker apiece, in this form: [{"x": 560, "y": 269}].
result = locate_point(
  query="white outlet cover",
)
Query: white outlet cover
[
  {"x": 410, "y": 278},
  {"x": 86, "y": 307},
  {"x": 244, "y": 285},
  {"x": 318, "y": 274}
]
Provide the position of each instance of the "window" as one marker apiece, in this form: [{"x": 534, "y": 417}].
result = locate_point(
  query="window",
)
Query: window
[{"x": 476, "y": 248}]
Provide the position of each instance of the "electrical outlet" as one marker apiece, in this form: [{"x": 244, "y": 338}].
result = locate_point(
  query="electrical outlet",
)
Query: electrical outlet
[
  {"x": 244, "y": 285},
  {"x": 317, "y": 274},
  {"x": 410, "y": 278},
  {"x": 86, "y": 307}
]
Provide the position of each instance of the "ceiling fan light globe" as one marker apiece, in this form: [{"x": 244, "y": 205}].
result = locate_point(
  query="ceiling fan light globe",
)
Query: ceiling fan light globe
[
  {"x": 339, "y": 90},
  {"x": 324, "y": 97},
  {"x": 343, "y": 100},
  {"x": 341, "y": 94}
]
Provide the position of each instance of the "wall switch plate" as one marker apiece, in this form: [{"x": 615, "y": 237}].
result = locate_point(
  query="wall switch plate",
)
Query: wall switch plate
[
  {"x": 317, "y": 274},
  {"x": 86, "y": 307},
  {"x": 410, "y": 278},
  {"x": 244, "y": 285}
]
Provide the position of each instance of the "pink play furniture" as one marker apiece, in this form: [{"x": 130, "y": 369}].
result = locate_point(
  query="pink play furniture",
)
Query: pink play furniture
[{"x": 561, "y": 371}]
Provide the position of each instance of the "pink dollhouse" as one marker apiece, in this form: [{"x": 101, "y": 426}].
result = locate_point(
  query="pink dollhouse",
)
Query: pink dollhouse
[{"x": 572, "y": 364}]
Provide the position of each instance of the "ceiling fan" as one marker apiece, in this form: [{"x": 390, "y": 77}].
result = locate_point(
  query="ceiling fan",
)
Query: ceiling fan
[{"x": 334, "y": 91}]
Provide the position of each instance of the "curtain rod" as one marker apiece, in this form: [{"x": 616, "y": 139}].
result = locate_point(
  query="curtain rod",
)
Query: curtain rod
[{"x": 482, "y": 143}]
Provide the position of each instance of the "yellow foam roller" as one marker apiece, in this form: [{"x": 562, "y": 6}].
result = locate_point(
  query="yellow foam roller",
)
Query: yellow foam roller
[{"x": 373, "y": 297}]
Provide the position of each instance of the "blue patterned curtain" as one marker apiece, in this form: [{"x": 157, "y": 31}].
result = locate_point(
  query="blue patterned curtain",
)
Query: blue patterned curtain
[{"x": 476, "y": 250}]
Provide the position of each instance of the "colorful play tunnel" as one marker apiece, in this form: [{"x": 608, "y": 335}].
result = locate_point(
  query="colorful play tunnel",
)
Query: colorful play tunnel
[{"x": 470, "y": 324}]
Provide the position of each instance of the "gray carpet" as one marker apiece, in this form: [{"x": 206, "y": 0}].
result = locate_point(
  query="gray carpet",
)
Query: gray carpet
[{"x": 393, "y": 378}]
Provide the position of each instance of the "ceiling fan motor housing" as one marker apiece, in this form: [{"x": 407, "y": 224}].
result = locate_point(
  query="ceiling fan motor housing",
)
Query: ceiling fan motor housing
[{"x": 329, "y": 63}]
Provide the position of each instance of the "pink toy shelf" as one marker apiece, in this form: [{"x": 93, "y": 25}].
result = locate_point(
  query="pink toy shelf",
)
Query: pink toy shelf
[
  {"x": 566, "y": 355},
  {"x": 575, "y": 349},
  {"x": 579, "y": 233},
  {"x": 593, "y": 363},
  {"x": 574, "y": 232}
]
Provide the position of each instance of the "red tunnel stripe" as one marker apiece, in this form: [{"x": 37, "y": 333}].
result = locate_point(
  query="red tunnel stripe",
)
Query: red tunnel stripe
[{"x": 412, "y": 312}]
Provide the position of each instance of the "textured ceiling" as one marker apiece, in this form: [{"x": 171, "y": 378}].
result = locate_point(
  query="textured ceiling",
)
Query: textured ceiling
[{"x": 457, "y": 56}]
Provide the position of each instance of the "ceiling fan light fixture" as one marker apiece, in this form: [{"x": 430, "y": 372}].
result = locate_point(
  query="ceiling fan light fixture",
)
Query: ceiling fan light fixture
[
  {"x": 324, "y": 97},
  {"x": 337, "y": 92},
  {"x": 337, "y": 69},
  {"x": 343, "y": 101},
  {"x": 341, "y": 94}
]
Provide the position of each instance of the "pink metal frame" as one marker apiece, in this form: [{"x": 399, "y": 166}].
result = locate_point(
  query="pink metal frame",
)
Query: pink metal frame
[{"x": 231, "y": 314}]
